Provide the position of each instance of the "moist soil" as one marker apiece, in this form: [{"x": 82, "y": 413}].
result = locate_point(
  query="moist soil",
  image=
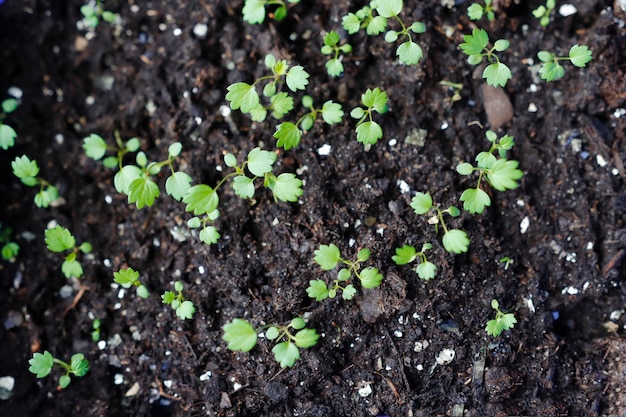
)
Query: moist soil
[{"x": 151, "y": 76}]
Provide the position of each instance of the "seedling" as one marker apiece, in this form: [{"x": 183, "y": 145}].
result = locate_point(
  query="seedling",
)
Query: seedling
[
  {"x": 506, "y": 261},
  {"x": 475, "y": 45},
  {"x": 543, "y": 12},
  {"x": 288, "y": 339},
  {"x": 10, "y": 249},
  {"x": 130, "y": 278},
  {"x": 27, "y": 171},
  {"x": 476, "y": 11},
  {"x": 331, "y": 46},
  {"x": 95, "y": 326},
  {"x": 406, "y": 254},
  {"x": 551, "y": 70},
  {"x": 502, "y": 322},
  {"x": 94, "y": 11},
  {"x": 244, "y": 96},
  {"x": 289, "y": 134},
  {"x": 254, "y": 10},
  {"x": 7, "y": 133},
  {"x": 364, "y": 18},
  {"x": 328, "y": 257},
  {"x": 408, "y": 52},
  {"x": 96, "y": 148},
  {"x": 42, "y": 363},
  {"x": 368, "y": 131},
  {"x": 59, "y": 239},
  {"x": 500, "y": 173},
  {"x": 184, "y": 308},
  {"x": 454, "y": 240}
]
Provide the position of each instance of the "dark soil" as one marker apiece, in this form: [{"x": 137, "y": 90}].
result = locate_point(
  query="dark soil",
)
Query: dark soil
[{"x": 565, "y": 357}]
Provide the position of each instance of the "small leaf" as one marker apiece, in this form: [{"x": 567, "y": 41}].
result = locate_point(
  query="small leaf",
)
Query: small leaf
[
  {"x": 475, "y": 11},
  {"x": 174, "y": 149},
  {"x": 327, "y": 256},
  {"x": 24, "y": 168},
  {"x": 504, "y": 174},
  {"x": 288, "y": 135},
  {"x": 142, "y": 291},
  {"x": 363, "y": 255},
  {"x": 242, "y": 95},
  {"x": 168, "y": 297},
  {"x": 254, "y": 11},
  {"x": 409, "y": 53},
  {"x": 349, "y": 292},
  {"x": 125, "y": 177},
  {"x": 185, "y": 310},
  {"x": 95, "y": 147},
  {"x": 260, "y": 162},
  {"x": 201, "y": 199},
  {"x": 286, "y": 354},
  {"x": 240, "y": 335},
  {"x": 287, "y": 187},
  {"x": 369, "y": 133},
  {"x": 391, "y": 36},
  {"x": 371, "y": 278},
  {"x": 464, "y": 168},
  {"x": 9, "y": 105},
  {"x": 344, "y": 274},
  {"x": 72, "y": 269},
  {"x": 332, "y": 112},
  {"x": 41, "y": 364},
  {"x": 551, "y": 71},
  {"x": 404, "y": 255},
  {"x": 126, "y": 277},
  {"x": 143, "y": 191},
  {"x": 64, "y": 381},
  {"x": 501, "y": 45},
  {"x": 426, "y": 270},
  {"x": 376, "y": 25},
  {"x": 209, "y": 235},
  {"x": 389, "y": 8},
  {"x": 334, "y": 67},
  {"x": 545, "y": 56},
  {"x": 230, "y": 160},
  {"x": 297, "y": 78},
  {"x": 331, "y": 38},
  {"x": 422, "y": 203},
  {"x": 580, "y": 55},
  {"x": 297, "y": 323},
  {"x": 282, "y": 104},
  {"x": 497, "y": 74},
  {"x": 455, "y": 241},
  {"x": 7, "y": 136},
  {"x": 306, "y": 338},
  {"x": 243, "y": 186},
  {"x": 272, "y": 333},
  {"x": 177, "y": 185},
  {"x": 475, "y": 200},
  {"x": 357, "y": 113},
  {"x": 59, "y": 239},
  {"x": 351, "y": 23},
  {"x": 79, "y": 366},
  {"x": 317, "y": 289}
]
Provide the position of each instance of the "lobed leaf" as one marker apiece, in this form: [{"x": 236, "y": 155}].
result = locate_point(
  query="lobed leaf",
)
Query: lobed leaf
[
  {"x": 242, "y": 96},
  {"x": 260, "y": 162},
  {"x": 143, "y": 191},
  {"x": 297, "y": 78},
  {"x": 41, "y": 364},
  {"x": 243, "y": 186},
  {"x": 475, "y": 200},
  {"x": 370, "y": 277},
  {"x": 369, "y": 133},
  {"x": 426, "y": 270},
  {"x": 389, "y": 8},
  {"x": 25, "y": 169},
  {"x": 59, "y": 239},
  {"x": 332, "y": 112},
  {"x": 201, "y": 199},
  {"x": 185, "y": 310},
  {"x": 504, "y": 174},
  {"x": 497, "y": 74},
  {"x": 287, "y": 187},
  {"x": 7, "y": 136},
  {"x": 404, "y": 255},
  {"x": 177, "y": 185},
  {"x": 455, "y": 241},
  {"x": 95, "y": 147},
  {"x": 286, "y": 354},
  {"x": 240, "y": 335},
  {"x": 126, "y": 277},
  {"x": 421, "y": 203},
  {"x": 409, "y": 53},
  {"x": 209, "y": 235},
  {"x": 288, "y": 135},
  {"x": 580, "y": 55},
  {"x": 306, "y": 338},
  {"x": 317, "y": 289},
  {"x": 254, "y": 11},
  {"x": 327, "y": 256}
]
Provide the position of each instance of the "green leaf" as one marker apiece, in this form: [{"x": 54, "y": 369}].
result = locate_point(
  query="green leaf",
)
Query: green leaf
[
  {"x": 242, "y": 95},
  {"x": 10, "y": 251},
  {"x": 317, "y": 289},
  {"x": 25, "y": 169},
  {"x": 332, "y": 112},
  {"x": 209, "y": 235},
  {"x": 404, "y": 255},
  {"x": 288, "y": 135},
  {"x": 327, "y": 256},
  {"x": 485, "y": 160},
  {"x": 95, "y": 147},
  {"x": 240, "y": 335},
  {"x": 9, "y": 105},
  {"x": 254, "y": 11},
  {"x": 201, "y": 199},
  {"x": 41, "y": 364},
  {"x": 475, "y": 43},
  {"x": 143, "y": 191},
  {"x": 71, "y": 269},
  {"x": 126, "y": 277},
  {"x": 46, "y": 196},
  {"x": 79, "y": 366},
  {"x": 348, "y": 292},
  {"x": 376, "y": 25},
  {"x": 418, "y": 27},
  {"x": 389, "y": 8},
  {"x": 497, "y": 74},
  {"x": 363, "y": 255},
  {"x": 357, "y": 113},
  {"x": 545, "y": 56},
  {"x": 306, "y": 338},
  {"x": 243, "y": 186},
  {"x": 297, "y": 323},
  {"x": 369, "y": 133},
  {"x": 174, "y": 149},
  {"x": 501, "y": 45},
  {"x": 426, "y": 270},
  {"x": 475, "y": 200},
  {"x": 286, "y": 353},
  {"x": 493, "y": 328},
  {"x": 344, "y": 274},
  {"x": 334, "y": 67},
  {"x": 297, "y": 78},
  {"x": 85, "y": 247},
  {"x": 456, "y": 241},
  {"x": 177, "y": 185},
  {"x": 465, "y": 168},
  {"x": 230, "y": 160},
  {"x": 370, "y": 277},
  {"x": 409, "y": 53},
  {"x": 551, "y": 71},
  {"x": 59, "y": 239},
  {"x": 280, "y": 13},
  {"x": 351, "y": 23},
  {"x": 287, "y": 187},
  {"x": 475, "y": 11},
  {"x": 125, "y": 177},
  {"x": 272, "y": 333},
  {"x": 504, "y": 174},
  {"x": 64, "y": 381},
  {"x": 282, "y": 104},
  {"x": 580, "y": 55},
  {"x": 375, "y": 99},
  {"x": 391, "y": 36},
  {"x": 168, "y": 297},
  {"x": 185, "y": 310},
  {"x": 260, "y": 162},
  {"x": 142, "y": 291},
  {"x": 7, "y": 136},
  {"x": 331, "y": 38},
  {"x": 422, "y": 203}
]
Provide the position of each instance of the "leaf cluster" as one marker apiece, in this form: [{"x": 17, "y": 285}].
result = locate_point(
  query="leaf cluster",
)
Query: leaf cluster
[
  {"x": 254, "y": 10},
  {"x": 184, "y": 308},
  {"x": 59, "y": 239},
  {"x": 127, "y": 278},
  {"x": 94, "y": 11},
  {"x": 41, "y": 365},
  {"x": 328, "y": 257},
  {"x": 543, "y": 12},
  {"x": 9, "y": 249},
  {"x": 502, "y": 321},
  {"x": 476, "y": 47},
  {"x": 425, "y": 269},
  {"x": 368, "y": 131},
  {"x": 7, "y": 133},
  {"x": 27, "y": 171},
  {"x": 552, "y": 70},
  {"x": 288, "y": 339},
  {"x": 476, "y": 11},
  {"x": 334, "y": 66}
]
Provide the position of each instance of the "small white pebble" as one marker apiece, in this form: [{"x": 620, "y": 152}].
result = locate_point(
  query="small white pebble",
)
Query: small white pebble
[
  {"x": 529, "y": 303},
  {"x": 524, "y": 224},
  {"x": 398, "y": 333},
  {"x": 366, "y": 391},
  {"x": 533, "y": 88},
  {"x": 117, "y": 306},
  {"x": 569, "y": 290},
  {"x": 90, "y": 100},
  {"x": 177, "y": 31},
  {"x": 58, "y": 138},
  {"x": 15, "y": 92},
  {"x": 380, "y": 231},
  {"x": 616, "y": 314},
  {"x": 445, "y": 356},
  {"x": 444, "y": 125},
  {"x": 201, "y": 270},
  {"x": 567, "y": 10},
  {"x": 532, "y": 108},
  {"x": 601, "y": 161},
  {"x": 324, "y": 150},
  {"x": 118, "y": 379},
  {"x": 351, "y": 242},
  {"x": 168, "y": 383},
  {"x": 102, "y": 344},
  {"x": 404, "y": 187},
  {"x": 108, "y": 199},
  {"x": 393, "y": 142},
  {"x": 520, "y": 203},
  {"x": 200, "y": 30},
  {"x": 107, "y": 262},
  {"x": 198, "y": 120},
  {"x": 589, "y": 245},
  {"x": 237, "y": 386},
  {"x": 419, "y": 367},
  {"x": 206, "y": 376},
  {"x": 134, "y": 8},
  {"x": 121, "y": 293}
]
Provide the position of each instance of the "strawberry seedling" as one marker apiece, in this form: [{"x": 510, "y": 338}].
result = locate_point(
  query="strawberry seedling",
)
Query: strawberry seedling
[
  {"x": 334, "y": 66},
  {"x": 475, "y": 45},
  {"x": 9, "y": 249},
  {"x": 94, "y": 11},
  {"x": 42, "y": 363},
  {"x": 59, "y": 239},
  {"x": 127, "y": 278},
  {"x": 254, "y": 10},
  {"x": 368, "y": 131},
  {"x": 7, "y": 133},
  {"x": 552, "y": 70},
  {"x": 503, "y": 321},
  {"x": 406, "y": 254},
  {"x": 184, "y": 308},
  {"x": 476, "y": 11},
  {"x": 408, "y": 52},
  {"x": 27, "y": 171},
  {"x": 543, "y": 12}
]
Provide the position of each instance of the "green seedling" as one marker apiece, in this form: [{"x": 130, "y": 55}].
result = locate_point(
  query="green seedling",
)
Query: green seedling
[
  {"x": 408, "y": 52},
  {"x": 289, "y": 134},
  {"x": 334, "y": 66},
  {"x": 130, "y": 278},
  {"x": 95, "y": 332},
  {"x": 551, "y": 70},
  {"x": 476, "y": 11},
  {"x": 506, "y": 261},
  {"x": 406, "y": 254},
  {"x": 9, "y": 249},
  {"x": 364, "y": 18},
  {"x": 368, "y": 131},
  {"x": 42, "y": 363},
  {"x": 7, "y": 133},
  {"x": 454, "y": 240},
  {"x": 203, "y": 199},
  {"x": 184, "y": 308},
  {"x": 288, "y": 339},
  {"x": 328, "y": 257},
  {"x": 254, "y": 10},
  {"x": 543, "y": 12},
  {"x": 59, "y": 239},
  {"x": 499, "y": 172},
  {"x": 475, "y": 45},
  {"x": 96, "y": 148},
  {"x": 94, "y": 11},
  {"x": 243, "y": 96},
  {"x": 27, "y": 171},
  {"x": 502, "y": 322}
]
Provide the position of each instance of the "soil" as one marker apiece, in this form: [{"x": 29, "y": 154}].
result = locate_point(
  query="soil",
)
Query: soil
[{"x": 151, "y": 77}]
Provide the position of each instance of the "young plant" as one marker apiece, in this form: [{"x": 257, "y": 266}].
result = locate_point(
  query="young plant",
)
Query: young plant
[
  {"x": 254, "y": 10},
  {"x": 96, "y": 148},
  {"x": 406, "y": 254},
  {"x": 289, "y": 134},
  {"x": 95, "y": 330},
  {"x": 334, "y": 67},
  {"x": 408, "y": 52},
  {"x": 94, "y": 11},
  {"x": 502, "y": 322},
  {"x": 551, "y": 70},
  {"x": 59, "y": 239},
  {"x": 328, "y": 257},
  {"x": 454, "y": 240},
  {"x": 184, "y": 308},
  {"x": 7, "y": 133},
  {"x": 244, "y": 96},
  {"x": 543, "y": 12},
  {"x": 9, "y": 249},
  {"x": 27, "y": 170},
  {"x": 368, "y": 131},
  {"x": 364, "y": 18},
  {"x": 475, "y": 45},
  {"x": 288, "y": 339},
  {"x": 476, "y": 11},
  {"x": 500, "y": 173},
  {"x": 130, "y": 278},
  {"x": 42, "y": 363}
]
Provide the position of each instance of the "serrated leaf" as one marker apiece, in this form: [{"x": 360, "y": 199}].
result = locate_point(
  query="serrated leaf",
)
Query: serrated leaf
[
  {"x": 409, "y": 53},
  {"x": 376, "y": 26},
  {"x": 317, "y": 289},
  {"x": 260, "y": 162},
  {"x": 351, "y": 23},
  {"x": 493, "y": 328},
  {"x": 125, "y": 176},
  {"x": 177, "y": 185},
  {"x": 297, "y": 78},
  {"x": 41, "y": 364},
  {"x": 421, "y": 203},
  {"x": 331, "y": 38},
  {"x": 7, "y": 136},
  {"x": 369, "y": 133},
  {"x": 243, "y": 186},
  {"x": 404, "y": 255},
  {"x": 24, "y": 168},
  {"x": 209, "y": 235},
  {"x": 497, "y": 74},
  {"x": 485, "y": 160},
  {"x": 580, "y": 55},
  {"x": 389, "y": 8},
  {"x": 504, "y": 174},
  {"x": 306, "y": 338},
  {"x": 143, "y": 191},
  {"x": 240, "y": 335},
  {"x": 201, "y": 199},
  {"x": 59, "y": 239},
  {"x": 375, "y": 99},
  {"x": 168, "y": 297},
  {"x": 71, "y": 269},
  {"x": 327, "y": 256},
  {"x": 475, "y": 43},
  {"x": 426, "y": 270},
  {"x": 95, "y": 147},
  {"x": 79, "y": 366},
  {"x": 455, "y": 241},
  {"x": 126, "y": 277},
  {"x": 348, "y": 292},
  {"x": 46, "y": 196},
  {"x": 286, "y": 354},
  {"x": 287, "y": 187},
  {"x": 551, "y": 71},
  {"x": 185, "y": 310},
  {"x": 254, "y": 11},
  {"x": 475, "y": 200},
  {"x": 475, "y": 11},
  {"x": 332, "y": 112},
  {"x": 242, "y": 96},
  {"x": 288, "y": 135},
  {"x": 334, "y": 67},
  {"x": 370, "y": 277},
  {"x": 282, "y": 104}
]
